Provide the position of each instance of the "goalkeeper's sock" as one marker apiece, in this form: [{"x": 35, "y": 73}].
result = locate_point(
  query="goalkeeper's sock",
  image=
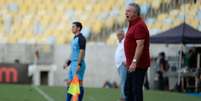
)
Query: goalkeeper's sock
[{"x": 81, "y": 94}]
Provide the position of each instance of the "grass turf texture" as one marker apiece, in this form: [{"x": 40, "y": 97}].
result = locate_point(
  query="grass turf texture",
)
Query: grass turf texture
[{"x": 28, "y": 93}]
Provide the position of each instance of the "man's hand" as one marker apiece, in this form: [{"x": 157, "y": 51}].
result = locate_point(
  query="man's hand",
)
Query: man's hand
[
  {"x": 68, "y": 62},
  {"x": 78, "y": 69},
  {"x": 65, "y": 66},
  {"x": 132, "y": 67},
  {"x": 124, "y": 63}
]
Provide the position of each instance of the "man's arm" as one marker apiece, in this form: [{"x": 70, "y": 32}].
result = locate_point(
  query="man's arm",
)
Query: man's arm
[
  {"x": 139, "y": 49},
  {"x": 81, "y": 56},
  {"x": 138, "y": 53},
  {"x": 140, "y": 36},
  {"x": 82, "y": 45},
  {"x": 67, "y": 63}
]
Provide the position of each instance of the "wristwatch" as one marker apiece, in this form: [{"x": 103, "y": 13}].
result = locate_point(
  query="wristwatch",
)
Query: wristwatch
[{"x": 134, "y": 60}]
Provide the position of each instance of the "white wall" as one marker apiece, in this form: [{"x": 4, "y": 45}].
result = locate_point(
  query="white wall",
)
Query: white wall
[{"x": 99, "y": 61}]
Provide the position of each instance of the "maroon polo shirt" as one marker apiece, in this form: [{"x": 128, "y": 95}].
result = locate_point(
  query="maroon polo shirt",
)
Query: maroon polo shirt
[{"x": 137, "y": 30}]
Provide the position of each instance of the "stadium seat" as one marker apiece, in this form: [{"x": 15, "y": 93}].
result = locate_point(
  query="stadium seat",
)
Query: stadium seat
[{"x": 48, "y": 19}]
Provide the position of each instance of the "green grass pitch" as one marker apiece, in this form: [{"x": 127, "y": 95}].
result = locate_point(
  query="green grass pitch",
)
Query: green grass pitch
[{"x": 28, "y": 93}]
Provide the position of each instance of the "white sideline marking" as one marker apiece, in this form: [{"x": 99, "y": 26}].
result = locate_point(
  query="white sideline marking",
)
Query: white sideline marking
[{"x": 47, "y": 97}]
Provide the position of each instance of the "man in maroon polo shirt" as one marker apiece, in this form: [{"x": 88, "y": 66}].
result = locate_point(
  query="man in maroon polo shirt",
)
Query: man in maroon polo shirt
[{"x": 137, "y": 53}]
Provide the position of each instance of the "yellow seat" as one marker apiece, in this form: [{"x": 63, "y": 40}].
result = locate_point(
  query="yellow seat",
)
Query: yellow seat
[
  {"x": 112, "y": 40},
  {"x": 156, "y": 4},
  {"x": 55, "y": 20}
]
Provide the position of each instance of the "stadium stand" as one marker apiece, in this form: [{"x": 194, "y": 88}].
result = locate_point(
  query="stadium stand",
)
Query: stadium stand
[
  {"x": 189, "y": 12},
  {"x": 49, "y": 21}
]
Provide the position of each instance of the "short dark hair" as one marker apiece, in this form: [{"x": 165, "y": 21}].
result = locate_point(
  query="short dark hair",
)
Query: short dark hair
[
  {"x": 137, "y": 8},
  {"x": 78, "y": 24},
  {"x": 162, "y": 54}
]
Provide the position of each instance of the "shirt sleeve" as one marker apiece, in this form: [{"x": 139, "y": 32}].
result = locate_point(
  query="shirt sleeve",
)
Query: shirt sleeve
[
  {"x": 140, "y": 32},
  {"x": 82, "y": 42}
]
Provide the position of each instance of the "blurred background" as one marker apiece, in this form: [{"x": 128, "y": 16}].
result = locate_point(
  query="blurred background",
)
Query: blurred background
[{"x": 35, "y": 37}]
